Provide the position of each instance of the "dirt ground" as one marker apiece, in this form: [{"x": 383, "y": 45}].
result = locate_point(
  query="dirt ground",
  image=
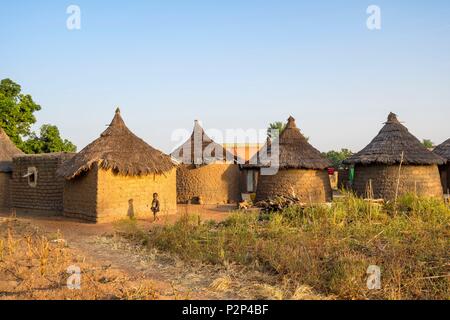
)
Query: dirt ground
[{"x": 118, "y": 269}]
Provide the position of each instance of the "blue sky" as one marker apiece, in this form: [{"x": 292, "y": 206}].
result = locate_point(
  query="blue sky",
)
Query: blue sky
[{"x": 232, "y": 64}]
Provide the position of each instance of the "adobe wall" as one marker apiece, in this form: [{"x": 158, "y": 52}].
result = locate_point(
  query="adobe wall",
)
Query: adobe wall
[
  {"x": 422, "y": 180},
  {"x": 80, "y": 196},
  {"x": 5, "y": 192},
  {"x": 310, "y": 186},
  {"x": 47, "y": 195},
  {"x": 214, "y": 183},
  {"x": 121, "y": 196}
]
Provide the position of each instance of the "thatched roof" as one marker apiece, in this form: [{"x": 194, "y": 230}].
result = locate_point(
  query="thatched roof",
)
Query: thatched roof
[
  {"x": 388, "y": 146},
  {"x": 120, "y": 150},
  {"x": 7, "y": 151},
  {"x": 443, "y": 150},
  {"x": 202, "y": 149},
  {"x": 295, "y": 152}
]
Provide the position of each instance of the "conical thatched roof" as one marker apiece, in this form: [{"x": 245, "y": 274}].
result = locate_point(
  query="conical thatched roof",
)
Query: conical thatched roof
[
  {"x": 388, "y": 146},
  {"x": 295, "y": 152},
  {"x": 443, "y": 150},
  {"x": 7, "y": 151},
  {"x": 120, "y": 150},
  {"x": 202, "y": 149}
]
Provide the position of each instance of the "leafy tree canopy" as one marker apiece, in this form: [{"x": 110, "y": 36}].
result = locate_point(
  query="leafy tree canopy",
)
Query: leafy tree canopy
[
  {"x": 337, "y": 157},
  {"x": 48, "y": 141},
  {"x": 17, "y": 111},
  {"x": 428, "y": 143},
  {"x": 17, "y": 117},
  {"x": 275, "y": 126}
]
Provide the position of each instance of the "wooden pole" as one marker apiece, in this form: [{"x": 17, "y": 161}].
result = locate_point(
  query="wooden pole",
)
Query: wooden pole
[{"x": 398, "y": 180}]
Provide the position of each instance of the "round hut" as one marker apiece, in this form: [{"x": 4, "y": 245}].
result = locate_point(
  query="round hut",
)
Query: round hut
[
  {"x": 301, "y": 170},
  {"x": 395, "y": 163},
  {"x": 443, "y": 150},
  {"x": 207, "y": 174},
  {"x": 7, "y": 151},
  {"x": 116, "y": 176}
]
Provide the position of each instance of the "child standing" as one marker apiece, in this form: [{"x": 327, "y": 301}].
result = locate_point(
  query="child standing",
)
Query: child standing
[{"x": 155, "y": 206}]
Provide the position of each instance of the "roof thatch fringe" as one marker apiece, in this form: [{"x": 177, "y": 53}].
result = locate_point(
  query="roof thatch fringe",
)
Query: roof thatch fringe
[
  {"x": 202, "y": 150},
  {"x": 395, "y": 144},
  {"x": 7, "y": 151},
  {"x": 118, "y": 149},
  {"x": 443, "y": 150}
]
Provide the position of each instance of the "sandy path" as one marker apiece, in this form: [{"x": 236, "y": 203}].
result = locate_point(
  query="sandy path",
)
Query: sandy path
[{"x": 168, "y": 276}]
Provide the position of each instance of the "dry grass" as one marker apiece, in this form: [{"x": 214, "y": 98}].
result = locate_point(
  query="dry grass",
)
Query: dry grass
[
  {"x": 33, "y": 265},
  {"x": 326, "y": 249}
]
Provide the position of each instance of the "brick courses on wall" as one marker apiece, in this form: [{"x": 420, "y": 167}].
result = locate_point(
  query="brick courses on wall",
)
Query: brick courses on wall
[
  {"x": 213, "y": 183},
  {"x": 47, "y": 196},
  {"x": 422, "y": 180},
  {"x": 308, "y": 185},
  {"x": 80, "y": 196},
  {"x": 5, "y": 191},
  {"x": 101, "y": 196}
]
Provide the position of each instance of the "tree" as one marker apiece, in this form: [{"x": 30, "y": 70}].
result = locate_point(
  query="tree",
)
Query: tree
[
  {"x": 428, "y": 143},
  {"x": 48, "y": 141},
  {"x": 17, "y": 111},
  {"x": 275, "y": 126},
  {"x": 280, "y": 126},
  {"x": 337, "y": 157},
  {"x": 17, "y": 116}
]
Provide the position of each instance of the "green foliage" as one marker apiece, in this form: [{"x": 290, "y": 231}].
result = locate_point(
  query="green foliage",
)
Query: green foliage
[
  {"x": 17, "y": 111},
  {"x": 336, "y": 157},
  {"x": 48, "y": 141},
  {"x": 17, "y": 116},
  {"x": 275, "y": 126},
  {"x": 428, "y": 143}
]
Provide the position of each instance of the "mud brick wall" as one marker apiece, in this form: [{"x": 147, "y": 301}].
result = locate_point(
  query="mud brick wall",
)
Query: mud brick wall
[
  {"x": 120, "y": 196},
  {"x": 5, "y": 191},
  {"x": 310, "y": 186},
  {"x": 80, "y": 196},
  {"x": 47, "y": 195},
  {"x": 213, "y": 183},
  {"x": 422, "y": 180}
]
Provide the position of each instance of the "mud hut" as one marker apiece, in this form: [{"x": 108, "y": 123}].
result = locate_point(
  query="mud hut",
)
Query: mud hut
[
  {"x": 395, "y": 163},
  {"x": 301, "y": 170},
  {"x": 36, "y": 188},
  {"x": 115, "y": 177},
  {"x": 443, "y": 150},
  {"x": 7, "y": 151},
  {"x": 208, "y": 173}
]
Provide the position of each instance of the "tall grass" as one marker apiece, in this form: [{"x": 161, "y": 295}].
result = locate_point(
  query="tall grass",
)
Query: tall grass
[{"x": 330, "y": 247}]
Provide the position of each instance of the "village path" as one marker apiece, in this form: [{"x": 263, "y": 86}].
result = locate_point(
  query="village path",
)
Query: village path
[{"x": 168, "y": 276}]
